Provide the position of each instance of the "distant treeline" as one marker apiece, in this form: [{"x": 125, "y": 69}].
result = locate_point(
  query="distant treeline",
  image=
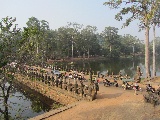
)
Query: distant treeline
[{"x": 37, "y": 42}]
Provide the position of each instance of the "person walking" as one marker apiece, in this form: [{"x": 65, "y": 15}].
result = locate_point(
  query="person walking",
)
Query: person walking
[{"x": 135, "y": 88}]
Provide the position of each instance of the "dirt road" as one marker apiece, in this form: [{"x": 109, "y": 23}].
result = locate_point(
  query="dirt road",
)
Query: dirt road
[{"x": 112, "y": 104}]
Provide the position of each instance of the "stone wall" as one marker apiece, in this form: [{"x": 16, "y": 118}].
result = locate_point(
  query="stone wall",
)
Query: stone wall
[
  {"x": 56, "y": 87},
  {"x": 55, "y": 94}
]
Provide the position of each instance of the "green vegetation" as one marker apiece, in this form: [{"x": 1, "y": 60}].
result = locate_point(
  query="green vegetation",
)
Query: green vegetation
[
  {"x": 36, "y": 43},
  {"x": 143, "y": 10}
]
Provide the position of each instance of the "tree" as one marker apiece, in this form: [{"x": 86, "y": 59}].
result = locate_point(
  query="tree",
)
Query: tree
[
  {"x": 130, "y": 45},
  {"x": 8, "y": 34},
  {"x": 44, "y": 42},
  {"x": 89, "y": 38},
  {"x": 8, "y": 31},
  {"x": 155, "y": 21},
  {"x": 76, "y": 27},
  {"x": 6, "y": 86},
  {"x": 144, "y": 11},
  {"x": 64, "y": 41},
  {"x": 157, "y": 45},
  {"x": 127, "y": 44},
  {"x": 111, "y": 41},
  {"x": 33, "y": 26},
  {"x": 51, "y": 44},
  {"x": 36, "y": 41}
]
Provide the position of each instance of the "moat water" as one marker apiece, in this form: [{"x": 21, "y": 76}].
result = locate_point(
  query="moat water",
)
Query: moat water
[
  {"x": 25, "y": 103},
  {"x": 125, "y": 66}
]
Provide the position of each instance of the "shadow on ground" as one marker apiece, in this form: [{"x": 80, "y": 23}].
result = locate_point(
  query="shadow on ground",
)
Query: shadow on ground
[{"x": 109, "y": 96}]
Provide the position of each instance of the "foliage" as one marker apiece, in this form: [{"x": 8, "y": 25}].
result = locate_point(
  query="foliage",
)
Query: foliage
[
  {"x": 8, "y": 40},
  {"x": 144, "y": 11},
  {"x": 36, "y": 43},
  {"x": 111, "y": 41},
  {"x": 157, "y": 45},
  {"x": 9, "y": 37},
  {"x": 35, "y": 39},
  {"x": 6, "y": 86}
]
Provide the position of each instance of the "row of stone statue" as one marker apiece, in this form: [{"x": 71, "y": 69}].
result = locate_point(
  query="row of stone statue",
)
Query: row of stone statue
[{"x": 80, "y": 91}]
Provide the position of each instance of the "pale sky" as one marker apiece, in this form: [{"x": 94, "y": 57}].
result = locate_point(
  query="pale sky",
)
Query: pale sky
[{"x": 59, "y": 12}]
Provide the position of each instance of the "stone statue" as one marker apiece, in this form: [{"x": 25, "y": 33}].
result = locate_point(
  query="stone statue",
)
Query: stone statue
[{"x": 138, "y": 75}]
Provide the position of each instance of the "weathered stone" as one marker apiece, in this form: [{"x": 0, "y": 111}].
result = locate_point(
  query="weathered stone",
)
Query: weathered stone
[
  {"x": 60, "y": 83},
  {"x": 75, "y": 89},
  {"x": 69, "y": 87},
  {"x": 64, "y": 86},
  {"x": 56, "y": 82}
]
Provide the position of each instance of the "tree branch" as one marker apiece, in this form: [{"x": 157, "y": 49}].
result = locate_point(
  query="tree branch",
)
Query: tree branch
[
  {"x": 1, "y": 111},
  {"x": 2, "y": 87},
  {"x": 7, "y": 95}
]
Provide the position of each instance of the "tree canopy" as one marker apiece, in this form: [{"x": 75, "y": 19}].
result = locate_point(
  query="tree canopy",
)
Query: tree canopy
[{"x": 144, "y": 11}]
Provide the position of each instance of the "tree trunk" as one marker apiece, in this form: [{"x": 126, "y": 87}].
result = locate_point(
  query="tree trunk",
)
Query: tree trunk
[
  {"x": 88, "y": 52},
  {"x": 6, "y": 116},
  {"x": 37, "y": 48},
  {"x": 147, "y": 52},
  {"x": 154, "y": 56},
  {"x": 110, "y": 49},
  {"x": 72, "y": 49}
]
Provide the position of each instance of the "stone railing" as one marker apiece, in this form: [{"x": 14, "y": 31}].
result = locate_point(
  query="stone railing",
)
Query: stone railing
[{"x": 45, "y": 83}]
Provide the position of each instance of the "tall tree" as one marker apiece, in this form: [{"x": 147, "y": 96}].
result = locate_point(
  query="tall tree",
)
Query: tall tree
[
  {"x": 44, "y": 42},
  {"x": 33, "y": 26},
  {"x": 155, "y": 21},
  {"x": 110, "y": 35},
  {"x": 8, "y": 37},
  {"x": 8, "y": 31},
  {"x": 157, "y": 45},
  {"x": 76, "y": 27},
  {"x": 36, "y": 39},
  {"x": 89, "y": 34},
  {"x": 130, "y": 44},
  {"x": 144, "y": 11}
]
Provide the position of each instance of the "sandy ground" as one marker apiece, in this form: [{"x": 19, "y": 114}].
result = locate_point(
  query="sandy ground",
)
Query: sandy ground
[{"x": 112, "y": 104}]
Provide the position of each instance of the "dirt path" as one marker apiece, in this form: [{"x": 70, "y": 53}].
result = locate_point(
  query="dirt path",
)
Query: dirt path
[{"x": 112, "y": 104}]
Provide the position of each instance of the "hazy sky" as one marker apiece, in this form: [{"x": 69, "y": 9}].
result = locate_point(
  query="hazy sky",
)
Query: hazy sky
[{"x": 59, "y": 12}]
